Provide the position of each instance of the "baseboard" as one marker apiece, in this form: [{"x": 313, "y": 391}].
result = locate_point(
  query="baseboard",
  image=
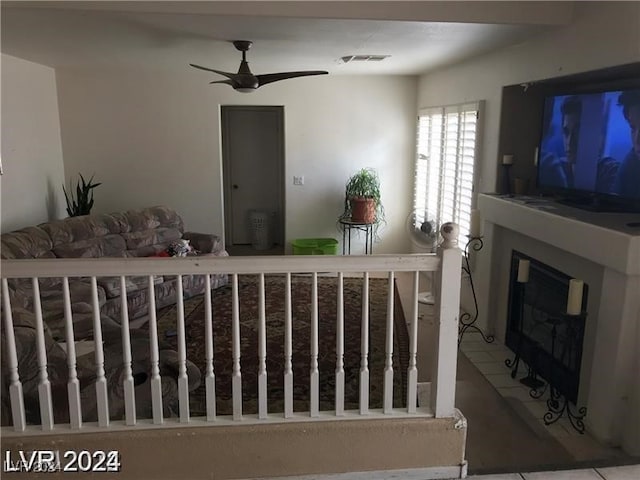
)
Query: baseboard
[{"x": 429, "y": 473}]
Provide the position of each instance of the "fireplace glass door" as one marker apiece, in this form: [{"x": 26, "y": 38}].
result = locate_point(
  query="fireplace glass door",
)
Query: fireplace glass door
[{"x": 548, "y": 341}]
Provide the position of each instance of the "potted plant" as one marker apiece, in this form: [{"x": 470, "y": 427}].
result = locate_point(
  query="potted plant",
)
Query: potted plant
[
  {"x": 362, "y": 198},
  {"x": 82, "y": 203}
]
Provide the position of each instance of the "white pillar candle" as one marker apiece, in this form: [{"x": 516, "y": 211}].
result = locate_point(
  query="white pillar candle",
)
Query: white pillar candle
[
  {"x": 523, "y": 271},
  {"x": 507, "y": 159},
  {"x": 574, "y": 299},
  {"x": 474, "y": 230}
]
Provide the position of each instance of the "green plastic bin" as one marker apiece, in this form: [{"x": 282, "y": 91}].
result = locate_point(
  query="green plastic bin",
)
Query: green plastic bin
[{"x": 315, "y": 246}]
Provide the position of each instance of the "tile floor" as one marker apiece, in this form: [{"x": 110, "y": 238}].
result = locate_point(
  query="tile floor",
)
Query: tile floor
[
  {"x": 489, "y": 358},
  {"x": 627, "y": 472}
]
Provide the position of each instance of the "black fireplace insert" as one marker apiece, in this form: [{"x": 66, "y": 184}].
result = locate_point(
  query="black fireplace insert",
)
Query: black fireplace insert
[{"x": 538, "y": 329}]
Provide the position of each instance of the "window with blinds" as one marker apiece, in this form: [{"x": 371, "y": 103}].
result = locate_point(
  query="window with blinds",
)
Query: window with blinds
[{"x": 446, "y": 154}]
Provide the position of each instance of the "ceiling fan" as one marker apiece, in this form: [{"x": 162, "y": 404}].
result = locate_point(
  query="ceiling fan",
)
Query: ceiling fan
[{"x": 245, "y": 81}]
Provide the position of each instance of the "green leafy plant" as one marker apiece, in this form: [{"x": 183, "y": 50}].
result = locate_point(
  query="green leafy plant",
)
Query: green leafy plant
[
  {"x": 364, "y": 184},
  {"x": 82, "y": 203}
]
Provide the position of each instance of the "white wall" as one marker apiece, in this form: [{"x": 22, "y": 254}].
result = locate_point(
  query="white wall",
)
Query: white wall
[
  {"x": 603, "y": 34},
  {"x": 154, "y": 138},
  {"x": 31, "y": 187}
]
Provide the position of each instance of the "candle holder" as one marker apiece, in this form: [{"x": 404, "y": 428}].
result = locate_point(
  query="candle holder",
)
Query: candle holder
[
  {"x": 506, "y": 178},
  {"x": 558, "y": 404},
  {"x": 467, "y": 321}
]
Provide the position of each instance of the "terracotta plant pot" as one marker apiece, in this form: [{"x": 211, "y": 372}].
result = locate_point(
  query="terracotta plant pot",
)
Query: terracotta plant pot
[{"x": 363, "y": 210}]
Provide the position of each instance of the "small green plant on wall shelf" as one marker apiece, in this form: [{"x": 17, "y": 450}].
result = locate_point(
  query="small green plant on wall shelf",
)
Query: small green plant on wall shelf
[
  {"x": 362, "y": 201},
  {"x": 82, "y": 203}
]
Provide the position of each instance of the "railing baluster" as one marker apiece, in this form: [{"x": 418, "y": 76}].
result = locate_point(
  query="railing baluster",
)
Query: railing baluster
[
  {"x": 412, "y": 370},
  {"x": 73, "y": 385},
  {"x": 183, "y": 380},
  {"x": 388, "y": 364},
  {"x": 364, "y": 348},
  {"x": 44, "y": 386},
  {"x": 210, "y": 377},
  {"x": 101, "y": 382},
  {"x": 15, "y": 389},
  {"x": 236, "y": 379},
  {"x": 288, "y": 367},
  {"x": 156, "y": 381},
  {"x": 262, "y": 353},
  {"x": 340, "y": 346},
  {"x": 314, "y": 378},
  {"x": 127, "y": 383}
]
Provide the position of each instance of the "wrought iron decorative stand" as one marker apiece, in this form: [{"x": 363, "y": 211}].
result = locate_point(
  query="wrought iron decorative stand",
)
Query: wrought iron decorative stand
[
  {"x": 531, "y": 380},
  {"x": 558, "y": 404},
  {"x": 515, "y": 363},
  {"x": 467, "y": 321}
]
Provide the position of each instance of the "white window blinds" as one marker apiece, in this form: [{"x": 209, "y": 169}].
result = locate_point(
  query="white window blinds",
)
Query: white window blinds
[{"x": 446, "y": 154}]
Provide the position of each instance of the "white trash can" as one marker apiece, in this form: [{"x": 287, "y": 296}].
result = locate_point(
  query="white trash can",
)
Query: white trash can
[{"x": 260, "y": 229}]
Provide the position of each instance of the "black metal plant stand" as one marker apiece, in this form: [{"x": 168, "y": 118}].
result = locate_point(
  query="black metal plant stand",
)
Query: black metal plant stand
[
  {"x": 467, "y": 321},
  {"x": 558, "y": 404},
  {"x": 367, "y": 228}
]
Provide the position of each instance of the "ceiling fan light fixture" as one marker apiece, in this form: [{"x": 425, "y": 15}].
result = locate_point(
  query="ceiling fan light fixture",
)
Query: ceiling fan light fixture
[{"x": 245, "y": 89}]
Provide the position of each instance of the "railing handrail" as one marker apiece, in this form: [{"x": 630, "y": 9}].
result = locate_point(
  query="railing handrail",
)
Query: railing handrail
[{"x": 111, "y": 266}]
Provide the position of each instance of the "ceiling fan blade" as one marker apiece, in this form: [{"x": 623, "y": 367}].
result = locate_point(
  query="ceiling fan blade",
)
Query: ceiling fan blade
[
  {"x": 275, "y": 77},
  {"x": 219, "y": 72},
  {"x": 227, "y": 82}
]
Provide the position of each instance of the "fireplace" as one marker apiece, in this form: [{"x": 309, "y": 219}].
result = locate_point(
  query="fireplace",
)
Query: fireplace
[
  {"x": 539, "y": 332},
  {"x": 600, "y": 249}
]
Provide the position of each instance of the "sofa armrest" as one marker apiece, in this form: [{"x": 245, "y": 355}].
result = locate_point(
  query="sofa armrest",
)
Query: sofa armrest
[{"x": 204, "y": 242}]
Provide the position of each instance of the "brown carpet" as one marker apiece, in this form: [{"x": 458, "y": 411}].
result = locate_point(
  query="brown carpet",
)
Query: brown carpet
[
  {"x": 301, "y": 313},
  {"x": 498, "y": 439}
]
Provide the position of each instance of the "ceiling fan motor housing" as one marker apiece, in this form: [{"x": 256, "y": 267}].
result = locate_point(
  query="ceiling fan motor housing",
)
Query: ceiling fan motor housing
[{"x": 242, "y": 45}]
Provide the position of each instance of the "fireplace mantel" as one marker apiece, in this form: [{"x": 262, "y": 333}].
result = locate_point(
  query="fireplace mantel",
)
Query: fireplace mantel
[
  {"x": 603, "y": 249},
  {"x": 603, "y": 238}
]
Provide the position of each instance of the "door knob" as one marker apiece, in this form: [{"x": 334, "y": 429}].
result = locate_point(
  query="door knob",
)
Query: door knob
[{"x": 235, "y": 187}]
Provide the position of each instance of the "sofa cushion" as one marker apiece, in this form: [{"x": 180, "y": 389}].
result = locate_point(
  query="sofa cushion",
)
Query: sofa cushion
[
  {"x": 29, "y": 242},
  {"x": 105, "y": 246},
  {"x": 152, "y": 218},
  {"x": 85, "y": 227},
  {"x": 154, "y": 236},
  {"x": 25, "y": 334},
  {"x": 111, "y": 285}
]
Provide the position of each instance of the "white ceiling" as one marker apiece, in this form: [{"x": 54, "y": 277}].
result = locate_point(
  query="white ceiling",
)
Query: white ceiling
[{"x": 419, "y": 36}]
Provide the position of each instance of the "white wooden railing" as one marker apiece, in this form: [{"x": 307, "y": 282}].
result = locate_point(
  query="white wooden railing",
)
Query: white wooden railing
[{"x": 446, "y": 263}]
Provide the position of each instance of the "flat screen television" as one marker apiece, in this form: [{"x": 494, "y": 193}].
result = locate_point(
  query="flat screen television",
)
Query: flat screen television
[{"x": 589, "y": 152}]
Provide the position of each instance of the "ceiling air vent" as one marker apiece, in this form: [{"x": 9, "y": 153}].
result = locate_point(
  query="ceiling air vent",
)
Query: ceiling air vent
[{"x": 363, "y": 58}]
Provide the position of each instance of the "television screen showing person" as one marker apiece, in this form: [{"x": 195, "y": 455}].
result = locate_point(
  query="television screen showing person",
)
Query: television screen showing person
[
  {"x": 556, "y": 166},
  {"x": 586, "y": 146},
  {"x": 628, "y": 175}
]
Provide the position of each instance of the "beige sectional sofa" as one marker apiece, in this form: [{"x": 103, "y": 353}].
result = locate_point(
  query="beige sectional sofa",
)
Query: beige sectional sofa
[{"x": 135, "y": 233}]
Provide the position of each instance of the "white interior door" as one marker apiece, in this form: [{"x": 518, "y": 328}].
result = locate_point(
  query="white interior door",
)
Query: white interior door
[{"x": 253, "y": 165}]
